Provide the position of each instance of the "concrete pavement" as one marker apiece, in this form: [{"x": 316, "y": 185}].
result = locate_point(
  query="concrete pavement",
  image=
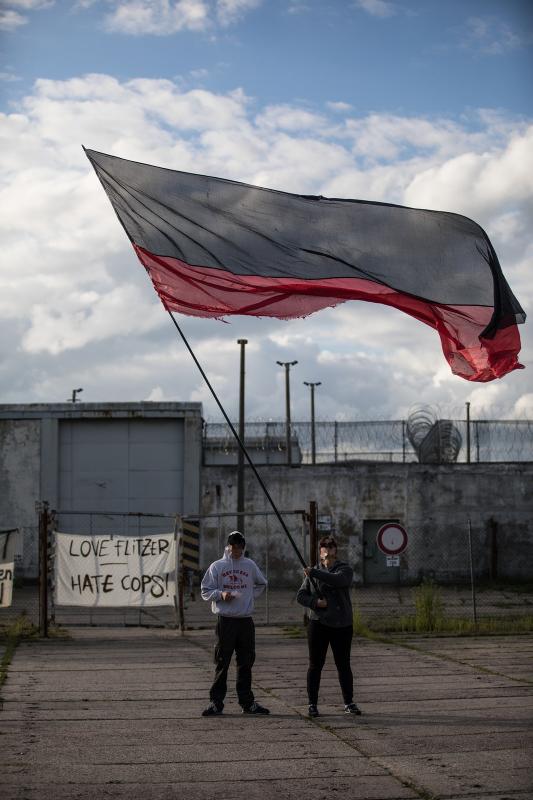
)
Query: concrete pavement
[{"x": 115, "y": 713}]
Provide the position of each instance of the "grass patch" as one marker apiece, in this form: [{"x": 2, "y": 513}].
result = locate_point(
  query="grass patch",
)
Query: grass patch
[
  {"x": 294, "y": 631},
  {"x": 454, "y": 626},
  {"x": 519, "y": 587}
]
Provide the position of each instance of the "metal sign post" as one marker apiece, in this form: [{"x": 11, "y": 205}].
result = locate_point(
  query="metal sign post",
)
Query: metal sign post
[{"x": 392, "y": 540}]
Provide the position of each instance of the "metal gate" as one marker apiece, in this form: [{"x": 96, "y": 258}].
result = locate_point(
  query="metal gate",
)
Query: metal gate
[{"x": 199, "y": 537}]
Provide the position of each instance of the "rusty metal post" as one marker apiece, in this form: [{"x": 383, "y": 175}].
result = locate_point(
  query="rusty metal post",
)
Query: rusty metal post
[
  {"x": 43, "y": 568},
  {"x": 181, "y": 576},
  {"x": 313, "y": 533},
  {"x": 472, "y": 579}
]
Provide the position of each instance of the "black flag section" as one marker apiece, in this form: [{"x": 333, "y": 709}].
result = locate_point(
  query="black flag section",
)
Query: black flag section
[{"x": 216, "y": 247}]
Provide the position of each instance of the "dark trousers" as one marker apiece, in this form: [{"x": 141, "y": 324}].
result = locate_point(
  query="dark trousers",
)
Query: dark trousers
[
  {"x": 234, "y": 635},
  {"x": 319, "y": 637}
]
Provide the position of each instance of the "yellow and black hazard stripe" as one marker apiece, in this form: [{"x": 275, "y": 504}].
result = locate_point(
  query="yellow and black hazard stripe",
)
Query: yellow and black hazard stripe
[{"x": 191, "y": 544}]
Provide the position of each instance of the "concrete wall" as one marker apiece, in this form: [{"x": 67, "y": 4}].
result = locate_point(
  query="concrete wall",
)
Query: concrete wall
[
  {"x": 432, "y": 502},
  {"x": 29, "y": 459},
  {"x": 20, "y": 442}
]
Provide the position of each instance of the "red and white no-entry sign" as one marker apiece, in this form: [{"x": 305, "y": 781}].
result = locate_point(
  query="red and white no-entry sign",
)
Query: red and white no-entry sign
[{"x": 392, "y": 539}]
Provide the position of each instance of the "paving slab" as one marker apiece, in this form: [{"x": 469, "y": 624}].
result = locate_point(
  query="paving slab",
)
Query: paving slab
[
  {"x": 369, "y": 788},
  {"x": 116, "y": 713}
]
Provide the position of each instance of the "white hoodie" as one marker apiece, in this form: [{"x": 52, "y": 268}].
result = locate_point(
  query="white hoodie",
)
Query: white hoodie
[{"x": 240, "y": 576}]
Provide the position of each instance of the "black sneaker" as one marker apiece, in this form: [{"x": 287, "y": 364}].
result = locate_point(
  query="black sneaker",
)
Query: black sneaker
[
  {"x": 313, "y": 710},
  {"x": 352, "y": 708},
  {"x": 212, "y": 710},
  {"x": 255, "y": 708}
]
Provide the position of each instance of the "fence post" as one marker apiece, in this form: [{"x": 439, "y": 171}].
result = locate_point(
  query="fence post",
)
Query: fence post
[
  {"x": 335, "y": 440},
  {"x": 472, "y": 582},
  {"x": 43, "y": 568},
  {"x": 467, "y": 432},
  {"x": 177, "y": 527},
  {"x": 267, "y": 596},
  {"x": 313, "y": 537},
  {"x": 304, "y": 536},
  {"x": 180, "y": 580},
  {"x": 52, "y": 524},
  {"x": 493, "y": 543}
]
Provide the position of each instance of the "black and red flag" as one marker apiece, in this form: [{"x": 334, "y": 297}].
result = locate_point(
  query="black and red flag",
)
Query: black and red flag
[{"x": 216, "y": 247}]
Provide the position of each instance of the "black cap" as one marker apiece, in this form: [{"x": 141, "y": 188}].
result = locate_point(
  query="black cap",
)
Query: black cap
[{"x": 236, "y": 537}]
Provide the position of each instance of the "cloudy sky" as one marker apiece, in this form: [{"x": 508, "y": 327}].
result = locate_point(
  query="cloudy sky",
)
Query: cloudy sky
[{"x": 416, "y": 102}]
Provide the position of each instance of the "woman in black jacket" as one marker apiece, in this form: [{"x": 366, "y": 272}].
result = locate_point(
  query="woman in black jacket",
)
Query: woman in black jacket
[{"x": 330, "y": 623}]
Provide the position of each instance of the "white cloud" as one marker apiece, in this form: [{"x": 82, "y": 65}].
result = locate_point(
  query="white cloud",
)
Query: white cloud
[
  {"x": 30, "y": 5},
  {"x": 8, "y": 77},
  {"x": 490, "y": 36},
  {"x": 10, "y": 19},
  {"x": 159, "y": 17},
  {"x": 77, "y": 310},
  {"x": 288, "y": 118},
  {"x": 230, "y": 11},
  {"x": 339, "y": 106},
  {"x": 376, "y": 8},
  {"x": 168, "y": 17}
]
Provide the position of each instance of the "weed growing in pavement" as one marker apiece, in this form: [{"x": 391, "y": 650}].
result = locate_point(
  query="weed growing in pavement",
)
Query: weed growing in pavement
[{"x": 429, "y": 610}]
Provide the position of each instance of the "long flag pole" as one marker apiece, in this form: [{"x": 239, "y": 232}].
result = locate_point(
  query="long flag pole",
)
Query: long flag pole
[{"x": 241, "y": 445}]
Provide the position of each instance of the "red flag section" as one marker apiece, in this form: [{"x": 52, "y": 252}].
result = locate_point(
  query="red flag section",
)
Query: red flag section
[{"x": 214, "y": 248}]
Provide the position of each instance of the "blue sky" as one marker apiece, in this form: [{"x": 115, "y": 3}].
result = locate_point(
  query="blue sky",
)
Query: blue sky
[
  {"x": 407, "y": 57},
  {"x": 421, "y": 103}
]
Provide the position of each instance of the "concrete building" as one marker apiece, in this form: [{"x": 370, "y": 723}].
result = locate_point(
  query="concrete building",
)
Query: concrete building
[
  {"x": 103, "y": 461},
  {"x": 97, "y": 457}
]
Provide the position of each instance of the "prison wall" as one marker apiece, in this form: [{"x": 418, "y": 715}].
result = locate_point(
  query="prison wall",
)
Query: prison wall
[{"x": 433, "y": 502}]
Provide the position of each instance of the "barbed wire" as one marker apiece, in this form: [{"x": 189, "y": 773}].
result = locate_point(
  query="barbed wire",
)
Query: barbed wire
[{"x": 377, "y": 440}]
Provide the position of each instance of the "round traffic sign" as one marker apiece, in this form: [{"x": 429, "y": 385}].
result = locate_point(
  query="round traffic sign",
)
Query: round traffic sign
[{"x": 392, "y": 539}]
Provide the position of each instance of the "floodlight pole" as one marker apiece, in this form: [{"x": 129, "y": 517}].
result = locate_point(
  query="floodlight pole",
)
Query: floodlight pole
[
  {"x": 287, "y": 365},
  {"x": 240, "y": 455},
  {"x": 467, "y": 432},
  {"x": 313, "y": 440}
]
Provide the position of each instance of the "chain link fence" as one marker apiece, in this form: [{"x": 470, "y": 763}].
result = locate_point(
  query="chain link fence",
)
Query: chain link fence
[
  {"x": 19, "y": 598},
  {"x": 335, "y": 442},
  {"x": 435, "y": 584}
]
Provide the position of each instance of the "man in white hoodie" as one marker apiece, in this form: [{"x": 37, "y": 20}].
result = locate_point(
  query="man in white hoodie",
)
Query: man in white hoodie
[{"x": 231, "y": 584}]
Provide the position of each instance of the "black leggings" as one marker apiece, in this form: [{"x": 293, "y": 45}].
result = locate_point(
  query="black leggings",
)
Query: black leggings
[{"x": 318, "y": 638}]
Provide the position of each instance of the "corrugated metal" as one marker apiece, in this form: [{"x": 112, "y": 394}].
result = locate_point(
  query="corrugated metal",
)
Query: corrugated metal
[{"x": 121, "y": 465}]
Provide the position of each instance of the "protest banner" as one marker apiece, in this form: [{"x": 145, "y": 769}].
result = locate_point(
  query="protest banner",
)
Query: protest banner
[
  {"x": 115, "y": 571},
  {"x": 8, "y": 538},
  {"x": 7, "y": 570}
]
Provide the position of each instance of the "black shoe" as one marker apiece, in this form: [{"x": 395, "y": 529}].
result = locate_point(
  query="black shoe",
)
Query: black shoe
[
  {"x": 255, "y": 708},
  {"x": 212, "y": 710},
  {"x": 352, "y": 708},
  {"x": 313, "y": 710}
]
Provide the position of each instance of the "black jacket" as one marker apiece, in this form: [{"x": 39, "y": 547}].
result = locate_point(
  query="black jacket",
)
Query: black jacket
[{"x": 334, "y": 585}]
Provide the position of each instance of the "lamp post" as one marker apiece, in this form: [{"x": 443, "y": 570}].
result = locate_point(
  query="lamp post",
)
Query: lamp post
[
  {"x": 467, "y": 432},
  {"x": 74, "y": 393},
  {"x": 287, "y": 365},
  {"x": 313, "y": 440},
  {"x": 240, "y": 455}
]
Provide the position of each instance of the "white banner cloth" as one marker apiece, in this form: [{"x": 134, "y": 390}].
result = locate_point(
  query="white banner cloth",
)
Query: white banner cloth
[
  {"x": 108, "y": 571},
  {"x": 7, "y": 570}
]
